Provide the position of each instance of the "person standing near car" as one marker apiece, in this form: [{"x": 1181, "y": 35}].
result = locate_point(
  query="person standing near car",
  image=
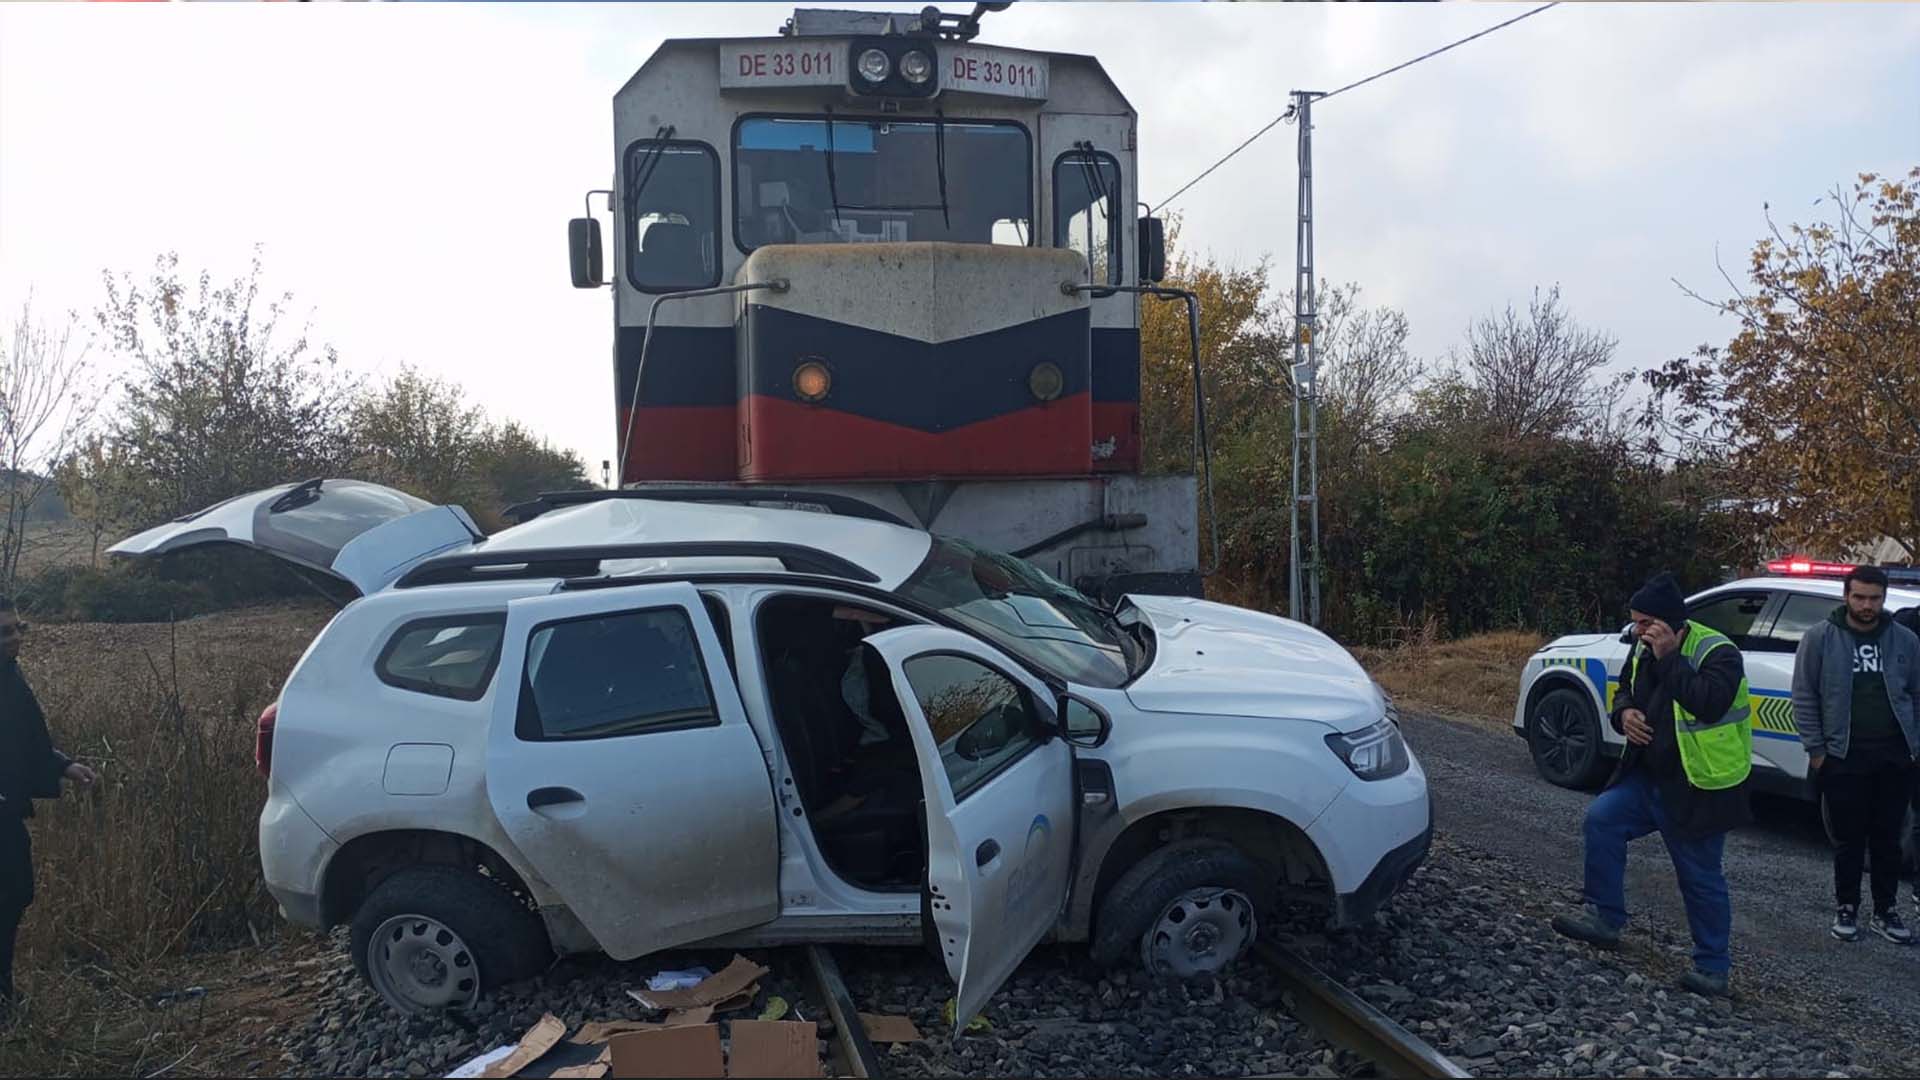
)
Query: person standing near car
[
  {"x": 30, "y": 768},
  {"x": 1684, "y": 708},
  {"x": 1856, "y": 680}
]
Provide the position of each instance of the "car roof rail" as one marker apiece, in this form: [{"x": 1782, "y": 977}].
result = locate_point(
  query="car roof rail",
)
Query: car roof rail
[
  {"x": 579, "y": 562},
  {"x": 833, "y": 503}
]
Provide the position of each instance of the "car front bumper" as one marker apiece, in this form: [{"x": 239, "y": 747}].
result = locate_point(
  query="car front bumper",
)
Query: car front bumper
[{"x": 1353, "y": 908}]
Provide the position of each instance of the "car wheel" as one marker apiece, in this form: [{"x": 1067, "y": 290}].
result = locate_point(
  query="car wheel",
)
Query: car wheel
[
  {"x": 1188, "y": 909},
  {"x": 1564, "y": 735},
  {"x": 434, "y": 937}
]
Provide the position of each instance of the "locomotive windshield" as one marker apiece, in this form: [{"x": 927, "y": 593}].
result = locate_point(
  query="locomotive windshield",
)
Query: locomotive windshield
[{"x": 816, "y": 181}]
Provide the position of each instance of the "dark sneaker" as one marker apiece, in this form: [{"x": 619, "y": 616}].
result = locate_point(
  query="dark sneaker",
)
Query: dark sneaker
[
  {"x": 1589, "y": 927},
  {"x": 1888, "y": 925},
  {"x": 1705, "y": 983},
  {"x": 1846, "y": 923}
]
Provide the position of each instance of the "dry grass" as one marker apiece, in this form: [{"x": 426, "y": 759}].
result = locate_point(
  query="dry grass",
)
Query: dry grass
[
  {"x": 1472, "y": 678},
  {"x": 159, "y": 860}
]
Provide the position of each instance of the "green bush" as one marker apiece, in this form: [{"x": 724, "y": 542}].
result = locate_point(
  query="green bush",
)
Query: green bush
[{"x": 178, "y": 586}]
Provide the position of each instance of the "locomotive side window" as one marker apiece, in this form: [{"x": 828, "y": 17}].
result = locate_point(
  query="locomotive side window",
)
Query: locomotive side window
[
  {"x": 1086, "y": 215},
  {"x": 808, "y": 180},
  {"x": 672, "y": 204}
]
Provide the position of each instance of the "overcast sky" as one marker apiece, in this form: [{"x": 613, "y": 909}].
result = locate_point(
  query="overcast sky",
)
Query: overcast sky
[{"x": 409, "y": 168}]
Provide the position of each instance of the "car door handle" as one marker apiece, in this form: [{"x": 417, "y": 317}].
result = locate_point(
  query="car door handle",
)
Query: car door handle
[
  {"x": 552, "y": 796},
  {"x": 987, "y": 852}
]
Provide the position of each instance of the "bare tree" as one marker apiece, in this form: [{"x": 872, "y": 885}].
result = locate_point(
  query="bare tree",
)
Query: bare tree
[
  {"x": 47, "y": 401},
  {"x": 1367, "y": 371},
  {"x": 1535, "y": 375}
]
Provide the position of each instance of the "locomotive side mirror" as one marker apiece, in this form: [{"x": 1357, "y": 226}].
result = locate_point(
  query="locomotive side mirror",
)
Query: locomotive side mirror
[
  {"x": 1153, "y": 249},
  {"x": 583, "y": 252}
]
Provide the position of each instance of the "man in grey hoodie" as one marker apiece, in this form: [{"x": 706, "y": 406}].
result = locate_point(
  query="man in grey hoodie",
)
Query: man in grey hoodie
[{"x": 1856, "y": 685}]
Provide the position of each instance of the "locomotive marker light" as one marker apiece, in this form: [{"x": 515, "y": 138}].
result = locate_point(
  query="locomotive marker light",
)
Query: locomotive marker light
[
  {"x": 1046, "y": 381},
  {"x": 812, "y": 381}
]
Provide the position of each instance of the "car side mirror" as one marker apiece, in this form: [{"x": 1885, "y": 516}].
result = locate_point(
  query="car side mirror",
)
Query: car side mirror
[
  {"x": 1153, "y": 250},
  {"x": 1626, "y": 636},
  {"x": 583, "y": 252},
  {"x": 1086, "y": 725}
]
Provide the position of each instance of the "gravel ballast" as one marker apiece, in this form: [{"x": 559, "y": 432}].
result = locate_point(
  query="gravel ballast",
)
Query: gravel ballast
[{"x": 1463, "y": 957}]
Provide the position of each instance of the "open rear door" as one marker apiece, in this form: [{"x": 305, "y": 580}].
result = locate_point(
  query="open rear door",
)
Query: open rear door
[
  {"x": 366, "y": 535},
  {"x": 1000, "y": 802}
]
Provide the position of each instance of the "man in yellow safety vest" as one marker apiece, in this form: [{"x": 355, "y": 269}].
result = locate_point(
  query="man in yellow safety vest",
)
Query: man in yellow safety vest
[{"x": 1684, "y": 709}]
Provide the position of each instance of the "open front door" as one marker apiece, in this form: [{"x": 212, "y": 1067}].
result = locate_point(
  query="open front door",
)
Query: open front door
[
  {"x": 621, "y": 764},
  {"x": 1000, "y": 802}
]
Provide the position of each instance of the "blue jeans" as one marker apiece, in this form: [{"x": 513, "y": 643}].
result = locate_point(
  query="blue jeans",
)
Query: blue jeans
[{"x": 1630, "y": 810}]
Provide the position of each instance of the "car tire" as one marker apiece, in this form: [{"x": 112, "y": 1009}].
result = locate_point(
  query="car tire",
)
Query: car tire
[
  {"x": 1563, "y": 734},
  {"x": 431, "y": 938},
  {"x": 1142, "y": 914}
]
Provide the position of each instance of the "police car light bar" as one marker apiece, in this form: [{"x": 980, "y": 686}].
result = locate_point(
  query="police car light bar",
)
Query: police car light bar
[{"x": 1800, "y": 566}]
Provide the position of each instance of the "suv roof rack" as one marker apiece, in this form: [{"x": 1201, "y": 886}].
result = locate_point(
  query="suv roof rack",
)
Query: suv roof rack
[
  {"x": 839, "y": 505},
  {"x": 578, "y": 562}
]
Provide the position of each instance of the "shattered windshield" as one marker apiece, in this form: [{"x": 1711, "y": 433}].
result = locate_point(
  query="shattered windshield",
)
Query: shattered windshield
[
  {"x": 815, "y": 181},
  {"x": 1019, "y": 608}
]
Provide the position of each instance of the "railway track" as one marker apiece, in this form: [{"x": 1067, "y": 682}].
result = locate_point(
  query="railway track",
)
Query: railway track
[{"x": 1338, "y": 1015}]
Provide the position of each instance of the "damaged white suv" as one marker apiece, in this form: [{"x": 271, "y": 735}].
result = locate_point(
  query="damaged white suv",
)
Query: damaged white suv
[{"x": 632, "y": 724}]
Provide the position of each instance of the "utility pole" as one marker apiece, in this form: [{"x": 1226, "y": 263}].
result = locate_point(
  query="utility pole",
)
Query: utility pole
[{"x": 1305, "y": 559}]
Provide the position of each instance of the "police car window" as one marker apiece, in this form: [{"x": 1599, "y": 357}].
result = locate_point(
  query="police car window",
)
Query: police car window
[
  {"x": 1801, "y": 611},
  {"x": 672, "y": 201},
  {"x": 622, "y": 673},
  {"x": 981, "y": 720},
  {"x": 1731, "y": 615},
  {"x": 453, "y": 657}
]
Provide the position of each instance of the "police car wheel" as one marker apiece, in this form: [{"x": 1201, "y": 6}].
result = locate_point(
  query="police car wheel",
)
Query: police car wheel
[{"x": 1563, "y": 731}]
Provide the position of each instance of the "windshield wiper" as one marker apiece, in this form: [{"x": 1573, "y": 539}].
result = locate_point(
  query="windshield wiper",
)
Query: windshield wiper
[{"x": 649, "y": 161}]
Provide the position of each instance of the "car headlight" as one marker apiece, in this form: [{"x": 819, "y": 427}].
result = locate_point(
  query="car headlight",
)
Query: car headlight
[{"x": 1375, "y": 752}]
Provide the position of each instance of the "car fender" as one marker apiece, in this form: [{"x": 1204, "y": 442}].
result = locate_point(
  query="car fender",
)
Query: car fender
[{"x": 1278, "y": 774}]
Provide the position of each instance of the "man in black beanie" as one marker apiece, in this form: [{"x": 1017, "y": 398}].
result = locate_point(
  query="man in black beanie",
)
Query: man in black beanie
[{"x": 1684, "y": 708}]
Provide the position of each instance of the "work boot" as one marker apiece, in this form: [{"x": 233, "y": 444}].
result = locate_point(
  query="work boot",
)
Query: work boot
[
  {"x": 1846, "y": 923},
  {"x": 1589, "y": 927},
  {"x": 1705, "y": 983},
  {"x": 1888, "y": 925}
]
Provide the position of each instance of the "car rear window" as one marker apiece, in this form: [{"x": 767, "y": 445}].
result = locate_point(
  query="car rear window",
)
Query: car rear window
[
  {"x": 622, "y": 673},
  {"x": 450, "y": 656}
]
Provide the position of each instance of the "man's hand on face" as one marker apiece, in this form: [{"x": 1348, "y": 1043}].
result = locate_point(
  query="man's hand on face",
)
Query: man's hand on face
[
  {"x": 1634, "y": 723},
  {"x": 80, "y": 774},
  {"x": 1661, "y": 639}
]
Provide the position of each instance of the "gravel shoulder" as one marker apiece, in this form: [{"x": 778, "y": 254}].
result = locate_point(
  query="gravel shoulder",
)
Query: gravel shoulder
[{"x": 1494, "y": 808}]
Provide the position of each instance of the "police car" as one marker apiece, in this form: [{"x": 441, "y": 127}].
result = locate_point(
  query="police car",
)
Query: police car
[{"x": 1567, "y": 688}]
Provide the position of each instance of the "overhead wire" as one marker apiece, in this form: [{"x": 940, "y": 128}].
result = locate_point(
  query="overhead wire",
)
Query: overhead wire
[{"x": 1294, "y": 108}]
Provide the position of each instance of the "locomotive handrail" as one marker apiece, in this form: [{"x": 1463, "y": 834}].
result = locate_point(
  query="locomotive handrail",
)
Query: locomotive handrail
[
  {"x": 778, "y": 285},
  {"x": 1202, "y": 445}
]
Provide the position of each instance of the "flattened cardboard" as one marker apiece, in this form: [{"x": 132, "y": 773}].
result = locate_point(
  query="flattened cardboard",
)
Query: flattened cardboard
[
  {"x": 599, "y": 1031},
  {"x": 688, "y": 1017},
  {"x": 537, "y": 1041},
  {"x": 882, "y": 1028},
  {"x": 779, "y": 1048},
  {"x": 676, "y": 1051},
  {"x": 591, "y": 1070},
  {"x": 737, "y": 976},
  {"x": 741, "y": 1000}
]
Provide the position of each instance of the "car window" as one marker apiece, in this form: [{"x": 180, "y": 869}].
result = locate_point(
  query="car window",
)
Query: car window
[
  {"x": 1731, "y": 614},
  {"x": 1801, "y": 611},
  {"x": 981, "y": 720},
  {"x": 452, "y": 656},
  {"x": 616, "y": 674}
]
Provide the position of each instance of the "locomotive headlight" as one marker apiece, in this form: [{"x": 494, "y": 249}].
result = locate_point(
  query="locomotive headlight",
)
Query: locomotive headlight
[
  {"x": 1045, "y": 381},
  {"x": 875, "y": 66},
  {"x": 915, "y": 67},
  {"x": 811, "y": 381}
]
